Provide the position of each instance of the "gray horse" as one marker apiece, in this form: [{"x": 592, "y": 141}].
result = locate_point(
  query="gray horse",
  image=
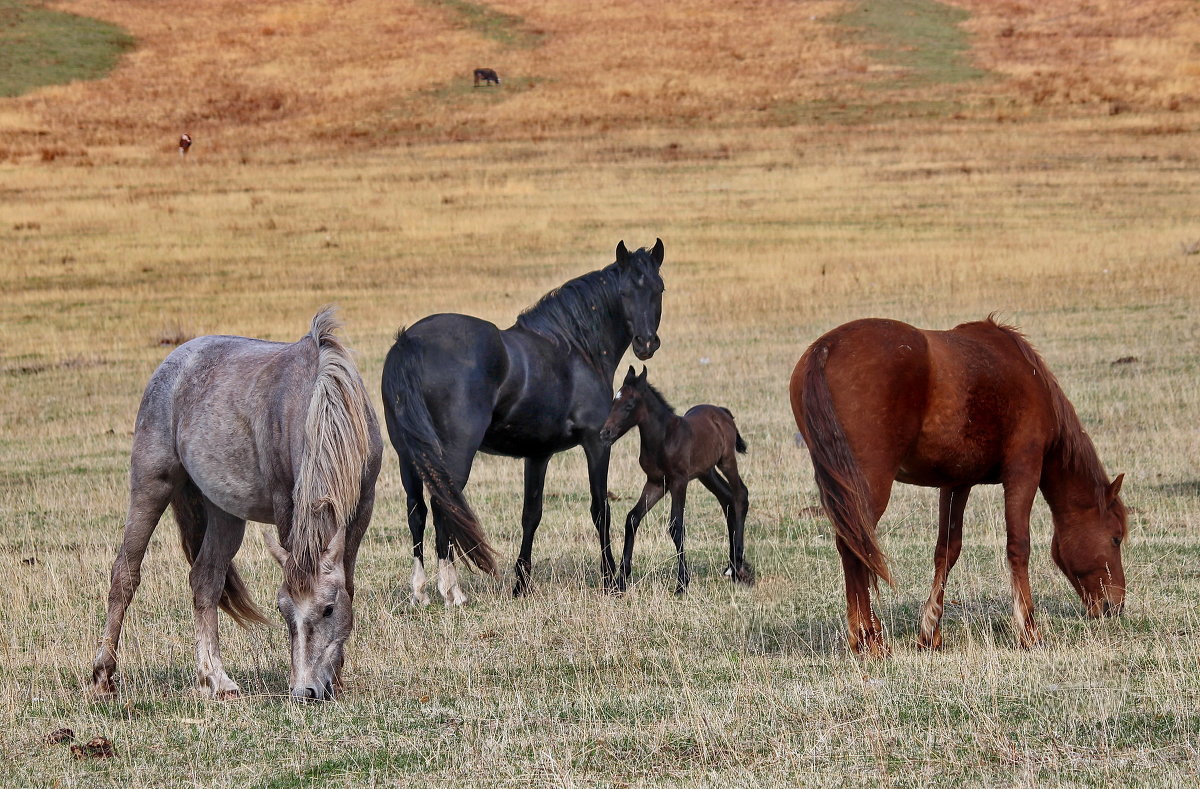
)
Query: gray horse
[{"x": 232, "y": 429}]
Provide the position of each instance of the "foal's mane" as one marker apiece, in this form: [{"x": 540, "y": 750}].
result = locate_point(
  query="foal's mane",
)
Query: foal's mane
[
  {"x": 655, "y": 394},
  {"x": 1079, "y": 454}
]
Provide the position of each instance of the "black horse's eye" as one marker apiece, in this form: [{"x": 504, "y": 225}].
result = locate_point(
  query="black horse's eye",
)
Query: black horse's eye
[{"x": 328, "y": 611}]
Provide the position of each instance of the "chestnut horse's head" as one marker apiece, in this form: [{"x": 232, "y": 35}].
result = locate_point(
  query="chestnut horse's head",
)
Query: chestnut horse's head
[{"x": 1087, "y": 548}]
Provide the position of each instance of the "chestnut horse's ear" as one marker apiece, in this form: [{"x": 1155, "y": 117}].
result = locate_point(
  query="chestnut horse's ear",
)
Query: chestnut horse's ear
[
  {"x": 622, "y": 253},
  {"x": 657, "y": 252},
  {"x": 1114, "y": 489}
]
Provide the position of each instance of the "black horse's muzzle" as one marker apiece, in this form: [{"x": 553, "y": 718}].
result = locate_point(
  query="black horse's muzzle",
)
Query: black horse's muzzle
[{"x": 644, "y": 348}]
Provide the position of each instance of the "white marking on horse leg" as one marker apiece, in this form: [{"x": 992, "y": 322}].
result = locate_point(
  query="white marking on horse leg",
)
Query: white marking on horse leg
[
  {"x": 452, "y": 593},
  {"x": 209, "y": 670},
  {"x": 931, "y": 618},
  {"x": 419, "y": 594}
]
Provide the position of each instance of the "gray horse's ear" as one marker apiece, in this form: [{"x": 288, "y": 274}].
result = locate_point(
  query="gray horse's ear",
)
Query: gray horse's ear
[
  {"x": 274, "y": 548},
  {"x": 657, "y": 252},
  {"x": 622, "y": 253},
  {"x": 332, "y": 555}
]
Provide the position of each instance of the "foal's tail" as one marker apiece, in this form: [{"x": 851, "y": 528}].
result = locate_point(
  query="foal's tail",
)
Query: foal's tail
[
  {"x": 188, "y": 506},
  {"x": 844, "y": 492},
  {"x": 413, "y": 434},
  {"x": 337, "y": 451},
  {"x": 739, "y": 443}
]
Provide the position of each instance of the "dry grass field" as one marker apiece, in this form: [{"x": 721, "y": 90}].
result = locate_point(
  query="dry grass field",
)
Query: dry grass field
[{"x": 1040, "y": 160}]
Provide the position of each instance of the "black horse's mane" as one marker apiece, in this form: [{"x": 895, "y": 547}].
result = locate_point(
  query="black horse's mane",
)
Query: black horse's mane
[{"x": 574, "y": 314}]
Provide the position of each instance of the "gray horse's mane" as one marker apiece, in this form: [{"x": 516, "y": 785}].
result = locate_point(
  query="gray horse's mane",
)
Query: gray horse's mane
[{"x": 337, "y": 448}]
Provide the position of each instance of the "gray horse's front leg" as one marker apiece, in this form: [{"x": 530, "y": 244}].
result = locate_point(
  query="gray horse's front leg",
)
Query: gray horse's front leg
[
  {"x": 222, "y": 539},
  {"x": 147, "y": 501}
]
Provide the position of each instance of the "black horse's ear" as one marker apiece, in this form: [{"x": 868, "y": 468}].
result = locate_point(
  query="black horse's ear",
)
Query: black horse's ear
[
  {"x": 1113, "y": 490},
  {"x": 622, "y": 253},
  {"x": 657, "y": 252}
]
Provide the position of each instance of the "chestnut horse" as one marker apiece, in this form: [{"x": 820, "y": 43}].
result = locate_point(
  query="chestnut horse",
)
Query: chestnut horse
[
  {"x": 676, "y": 450},
  {"x": 879, "y": 400}
]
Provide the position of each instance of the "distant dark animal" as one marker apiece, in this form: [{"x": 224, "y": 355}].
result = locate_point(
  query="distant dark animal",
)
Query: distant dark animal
[
  {"x": 675, "y": 450},
  {"x": 454, "y": 385},
  {"x": 486, "y": 76},
  {"x": 232, "y": 429},
  {"x": 879, "y": 400},
  {"x": 185, "y": 142}
]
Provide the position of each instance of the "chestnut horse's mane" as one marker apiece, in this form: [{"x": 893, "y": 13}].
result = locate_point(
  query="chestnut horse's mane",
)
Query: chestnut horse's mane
[{"x": 1078, "y": 452}]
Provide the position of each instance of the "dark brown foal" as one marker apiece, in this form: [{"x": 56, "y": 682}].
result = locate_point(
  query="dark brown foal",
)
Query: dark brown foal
[{"x": 676, "y": 450}]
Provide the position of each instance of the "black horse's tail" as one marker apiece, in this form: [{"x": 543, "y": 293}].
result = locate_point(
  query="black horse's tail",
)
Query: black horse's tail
[{"x": 413, "y": 434}]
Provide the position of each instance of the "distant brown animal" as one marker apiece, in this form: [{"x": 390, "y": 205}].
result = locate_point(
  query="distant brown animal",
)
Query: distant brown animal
[
  {"x": 185, "y": 142},
  {"x": 676, "y": 450},
  {"x": 881, "y": 401},
  {"x": 486, "y": 76}
]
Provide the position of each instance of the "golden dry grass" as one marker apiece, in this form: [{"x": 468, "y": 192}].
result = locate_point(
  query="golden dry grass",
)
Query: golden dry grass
[{"x": 1069, "y": 224}]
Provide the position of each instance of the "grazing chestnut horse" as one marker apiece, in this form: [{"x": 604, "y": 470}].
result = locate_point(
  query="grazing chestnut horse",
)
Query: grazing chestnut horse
[
  {"x": 676, "y": 450},
  {"x": 878, "y": 400}
]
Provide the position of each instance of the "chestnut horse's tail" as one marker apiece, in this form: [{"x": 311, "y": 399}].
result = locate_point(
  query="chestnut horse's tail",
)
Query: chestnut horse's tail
[{"x": 844, "y": 492}]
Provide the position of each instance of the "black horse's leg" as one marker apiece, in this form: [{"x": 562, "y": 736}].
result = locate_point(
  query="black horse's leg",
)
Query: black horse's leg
[
  {"x": 531, "y": 517},
  {"x": 652, "y": 492},
  {"x": 459, "y": 457},
  {"x": 417, "y": 511},
  {"x": 597, "y": 453},
  {"x": 678, "y": 490}
]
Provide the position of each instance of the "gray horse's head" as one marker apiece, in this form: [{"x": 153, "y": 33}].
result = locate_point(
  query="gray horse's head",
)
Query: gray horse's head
[{"x": 316, "y": 608}]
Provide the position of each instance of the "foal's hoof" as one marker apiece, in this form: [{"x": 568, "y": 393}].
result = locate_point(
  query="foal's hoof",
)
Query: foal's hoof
[
  {"x": 103, "y": 690},
  {"x": 743, "y": 576}
]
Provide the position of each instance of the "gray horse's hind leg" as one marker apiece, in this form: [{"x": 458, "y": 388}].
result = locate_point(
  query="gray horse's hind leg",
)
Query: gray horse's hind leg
[
  {"x": 222, "y": 538},
  {"x": 148, "y": 498}
]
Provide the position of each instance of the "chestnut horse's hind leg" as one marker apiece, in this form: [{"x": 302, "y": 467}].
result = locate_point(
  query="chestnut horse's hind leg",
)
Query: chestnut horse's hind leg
[
  {"x": 1018, "y": 501},
  {"x": 865, "y": 634},
  {"x": 222, "y": 538},
  {"x": 150, "y": 492},
  {"x": 951, "y": 503},
  {"x": 652, "y": 492}
]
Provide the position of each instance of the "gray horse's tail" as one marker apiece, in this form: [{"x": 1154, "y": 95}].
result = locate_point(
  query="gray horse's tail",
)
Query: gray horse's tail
[
  {"x": 337, "y": 450},
  {"x": 413, "y": 434},
  {"x": 188, "y": 506}
]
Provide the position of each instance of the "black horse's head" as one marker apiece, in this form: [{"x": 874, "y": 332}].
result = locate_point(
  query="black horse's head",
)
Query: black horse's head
[{"x": 641, "y": 289}]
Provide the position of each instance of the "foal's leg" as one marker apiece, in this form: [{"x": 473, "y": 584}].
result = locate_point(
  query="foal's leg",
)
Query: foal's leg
[
  {"x": 740, "y": 570},
  {"x": 222, "y": 538},
  {"x": 150, "y": 492},
  {"x": 597, "y": 453},
  {"x": 951, "y": 503},
  {"x": 652, "y": 492},
  {"x": 678, "y": 500},
  {"x": 531, "y": 516},
  {"x": 1018, "y": 501}
]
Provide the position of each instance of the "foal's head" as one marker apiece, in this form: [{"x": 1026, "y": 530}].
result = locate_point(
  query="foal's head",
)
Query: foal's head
[
  {"x": 1087, "y": 547},
  {"x": 628, "y": 407},
  {"x": 316, "y": 608},
  {"x": 641, "y": 289}
]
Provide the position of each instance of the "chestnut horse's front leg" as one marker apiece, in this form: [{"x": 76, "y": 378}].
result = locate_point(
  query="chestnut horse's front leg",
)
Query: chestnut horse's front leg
[
  {"x": 951, "y": 504},
  {"x": 652, "y": 492},
  {"x": 1018, "y": 501}
]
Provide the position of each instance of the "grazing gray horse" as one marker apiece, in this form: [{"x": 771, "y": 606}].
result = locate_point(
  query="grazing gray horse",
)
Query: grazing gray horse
[{"x": 233, "y": 429}]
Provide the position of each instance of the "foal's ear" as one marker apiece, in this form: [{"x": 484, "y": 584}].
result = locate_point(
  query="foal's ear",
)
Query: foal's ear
[
  {"x": 622, "y": 253},
  {"x": 630, "y": 376},
  {"x": 641, "y": 378},
  {"x": 1114, "y": 489},
  {"x": 657, "y": 252}
]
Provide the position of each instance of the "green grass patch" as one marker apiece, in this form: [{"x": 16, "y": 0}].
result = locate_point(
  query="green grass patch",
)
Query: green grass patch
[
  {"x": 921, "y": 37},
  {"x": 507, "y": 29},
  {"x": 39, "y": 46}
]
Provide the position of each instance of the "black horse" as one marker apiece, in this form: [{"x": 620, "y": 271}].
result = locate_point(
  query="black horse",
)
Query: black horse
[{"x": 454, "y": 385}]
